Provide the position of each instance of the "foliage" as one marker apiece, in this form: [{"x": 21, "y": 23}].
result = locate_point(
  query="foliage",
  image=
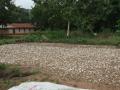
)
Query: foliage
[
  {"x": 31, "y": 38},
  {"x": 118, "y": 26},
  {"x": 4, "y": 72},
  {"x": 3, "y": 66},
  {"x": 59, "y": 36},
  {"x": 91, "y": 16},
  {"x": 10, "y": 71},
  {"x": 76, "y": 37},
  {"x": 7, "y": 41},
  {"x": 11, "y": 75},
  {"x": 6, "y": 7},
  {"x": 11, "y": 13},
  {"x": 20, "y": 15}
]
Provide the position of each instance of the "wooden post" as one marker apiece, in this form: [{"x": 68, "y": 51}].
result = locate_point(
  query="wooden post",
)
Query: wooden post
[{"x": 14, "y": 31}]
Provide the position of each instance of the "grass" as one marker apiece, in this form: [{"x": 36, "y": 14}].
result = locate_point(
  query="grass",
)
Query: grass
[
  {"x": 60, "y": 37},
  {"x": 11, "y": 75},
  {"x": 75, "y": 38},
  {"x": 10, "y": 71},
  {"x": 7, "y": 40}
]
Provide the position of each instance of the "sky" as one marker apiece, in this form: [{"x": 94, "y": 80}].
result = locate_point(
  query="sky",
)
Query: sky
[{"x": 28, "y": 4}]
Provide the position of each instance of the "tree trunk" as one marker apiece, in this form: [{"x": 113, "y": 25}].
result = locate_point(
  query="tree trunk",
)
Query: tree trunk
[{"x": 68, "y": 29}]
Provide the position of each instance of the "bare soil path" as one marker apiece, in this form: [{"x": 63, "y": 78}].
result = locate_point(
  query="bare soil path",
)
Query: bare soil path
[{"x": 76, "y": 63}]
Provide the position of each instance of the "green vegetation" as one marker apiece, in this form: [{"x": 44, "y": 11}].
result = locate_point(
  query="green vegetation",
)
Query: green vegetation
[
  {"x": 75, "y": 38},
  {"x": 89, "y": 22},
  {"x": 11, "y": 75},
  {"x": 82, "y": 21},
  {"x": 92, "y": 16},
  {"x": 58, "y": 36},
  {"x": 6, "y": 7},
  {"x": 10, "y": 13},
  {"x": 7, "y": 40},
  {"x": 10, "y": 71}
]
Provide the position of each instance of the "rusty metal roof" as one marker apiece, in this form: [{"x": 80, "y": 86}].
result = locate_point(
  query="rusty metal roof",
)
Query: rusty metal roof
[{"x": 20, "y": 25}]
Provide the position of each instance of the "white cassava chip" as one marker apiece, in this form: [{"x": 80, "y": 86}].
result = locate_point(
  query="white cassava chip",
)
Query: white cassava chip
[{"x": 42, "y": 86}]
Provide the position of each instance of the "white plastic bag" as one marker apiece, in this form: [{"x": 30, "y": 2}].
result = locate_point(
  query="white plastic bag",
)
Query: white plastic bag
[{"x": 42, "y": 86}]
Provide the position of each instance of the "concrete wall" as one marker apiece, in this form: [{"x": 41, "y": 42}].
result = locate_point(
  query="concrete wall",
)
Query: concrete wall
[
  {"x": 10, "y": 31},
  {"x": 20, "y": 31},
  {"x": 3, "y": 32},
  {"x": 27, "y": 31}
]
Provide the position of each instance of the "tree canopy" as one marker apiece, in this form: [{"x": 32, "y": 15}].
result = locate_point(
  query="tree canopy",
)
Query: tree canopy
[
  {"x": 21, "y": 15},
  {"x": 85, "y": 15},
  {"x": 6, "y": 7},
  {"x": 9, "y": 12}
]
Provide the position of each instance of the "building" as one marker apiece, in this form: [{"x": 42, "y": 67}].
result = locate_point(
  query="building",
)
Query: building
[
  {"x": 2, "y": 27},
  {"x": 16, "y": 29}
]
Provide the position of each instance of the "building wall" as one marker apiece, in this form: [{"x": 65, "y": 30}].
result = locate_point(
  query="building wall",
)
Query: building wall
[
  {"x": 20, "y": 31},
  {"x": 27, "y": 31},
  {"x": 3, "y": 32},
  {"x": 17, "y": 31},
  {"x": 32, "y": 30},
  {"x": 10, "y": 31}
]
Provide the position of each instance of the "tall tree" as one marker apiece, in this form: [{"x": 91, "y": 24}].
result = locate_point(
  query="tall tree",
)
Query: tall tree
[
  {"x": 21, "y": 15},
  {"x": 86, "y": 15},
  {"x": 68, "y": 12},
  {"x": 6, "y": 7}
]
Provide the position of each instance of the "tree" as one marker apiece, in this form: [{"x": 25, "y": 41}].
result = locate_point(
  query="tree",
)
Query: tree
[
  {"x": 96, "y": 15},
  {"x": 6, "y": 7},
  {"x": 51, "y": 12},
  {"x": 68, "y": 12},
  {"x": 91, "y": 16},
  {"x": 21, "y": 15}
]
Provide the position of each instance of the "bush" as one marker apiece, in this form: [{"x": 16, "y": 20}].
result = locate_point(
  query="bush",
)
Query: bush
[
  {"x": 31, "y": 38},
  {"x": 76, "y": 37},
  {"x": 7, "y": 41},
  {"x": 118, "y": 26},
  {"x": 46, "y": 36},
  {"x": 3, "y": 66},
  {"x": 9, "y": 71}
]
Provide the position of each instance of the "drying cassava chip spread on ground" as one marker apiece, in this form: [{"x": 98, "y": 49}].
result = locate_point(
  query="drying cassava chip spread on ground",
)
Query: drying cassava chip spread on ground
[{"x": 42, "y": 86}]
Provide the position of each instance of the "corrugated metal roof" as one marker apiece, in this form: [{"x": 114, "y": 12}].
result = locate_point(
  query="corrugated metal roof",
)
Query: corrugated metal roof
[{"x": 20, "y": 25}]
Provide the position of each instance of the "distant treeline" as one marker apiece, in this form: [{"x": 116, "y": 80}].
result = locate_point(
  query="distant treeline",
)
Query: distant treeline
[
  {"x": 84, "y": 15},
  {"x": 92, "y": 16},
  {"x": 9, "y": 12}
]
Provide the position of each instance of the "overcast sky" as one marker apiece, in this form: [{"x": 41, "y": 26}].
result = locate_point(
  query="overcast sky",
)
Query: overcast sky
[{"x": 24, "y": 3}]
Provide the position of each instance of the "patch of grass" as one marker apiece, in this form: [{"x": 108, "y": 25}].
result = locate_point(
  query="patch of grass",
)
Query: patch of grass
[
  {"x": 7, "y": 41},
  {"x": 76, "y": 37},
  {"x": 31, "y": 38},
  {"x": 10, "y": 71},
  {"x": 3, "y": 66},
  {"x": 11, "y": 75}
]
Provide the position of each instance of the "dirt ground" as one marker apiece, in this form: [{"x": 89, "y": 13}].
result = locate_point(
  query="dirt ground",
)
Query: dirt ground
[
  {"x": 43, "y": 77},
  {"x": 84, "y": 66}
]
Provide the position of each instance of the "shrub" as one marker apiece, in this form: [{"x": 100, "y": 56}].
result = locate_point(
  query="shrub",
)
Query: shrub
[
  {"x": 7, "y": 41},
  {"x": 9, "y": 71},
  {"x": 31, "y": 38},
  {"x": 3, "y": 66},
  {"x": 118, "y": 26}
]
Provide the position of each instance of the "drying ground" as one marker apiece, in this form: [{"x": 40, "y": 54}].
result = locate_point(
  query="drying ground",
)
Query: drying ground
[{"x": 87, "y": 66}]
